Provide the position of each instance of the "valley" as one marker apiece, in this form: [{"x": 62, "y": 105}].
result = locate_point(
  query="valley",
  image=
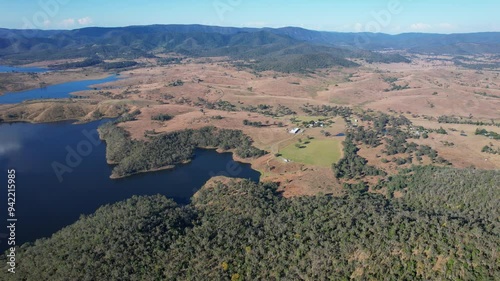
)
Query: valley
[
  {"x": 374, "y": 161},
  {"x": 214, "y": 92}
]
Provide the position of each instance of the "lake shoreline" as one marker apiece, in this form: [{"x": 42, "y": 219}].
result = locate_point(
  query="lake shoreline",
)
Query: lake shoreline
[
  {"x": 236, "y": 158},
  {"x": 53, "y": 111},
  {"x": 16, "y": 82},
  {"x": 117, "y": 139},
  {"x": 58, "y": 81},
  {"x": 169, "y": 167},
  {"x": 35, "y": 147}
]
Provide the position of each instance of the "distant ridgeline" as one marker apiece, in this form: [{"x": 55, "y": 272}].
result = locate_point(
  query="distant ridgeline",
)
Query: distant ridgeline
[
  {"x": 446, "y": 227},
  {"x": 288, "y": 49},
  {"x": 267, "y": 49}
]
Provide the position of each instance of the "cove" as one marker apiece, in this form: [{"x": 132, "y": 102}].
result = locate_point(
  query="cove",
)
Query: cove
[
  {"x": 54, "y": 91},
  {"x": 44, "y": 204}
]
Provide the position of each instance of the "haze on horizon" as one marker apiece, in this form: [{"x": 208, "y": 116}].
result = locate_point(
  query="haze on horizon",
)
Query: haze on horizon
[{"x": 386, "y": 16}]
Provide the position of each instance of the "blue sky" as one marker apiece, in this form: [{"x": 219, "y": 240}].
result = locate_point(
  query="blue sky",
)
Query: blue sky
[{"x": 388, "y": 16}]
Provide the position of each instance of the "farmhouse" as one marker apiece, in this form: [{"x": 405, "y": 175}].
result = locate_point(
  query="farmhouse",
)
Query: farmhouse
[{"x": 294, "y": 131}]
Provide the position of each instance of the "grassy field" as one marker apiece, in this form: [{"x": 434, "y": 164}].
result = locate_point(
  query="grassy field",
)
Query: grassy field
[{"x": 319, "y": 152}]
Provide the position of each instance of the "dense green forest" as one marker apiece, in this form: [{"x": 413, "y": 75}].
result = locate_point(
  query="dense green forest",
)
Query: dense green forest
[
  {"x": 133, "y": 156},
  {"x": 119, "y": 64},
  {"x": 95, "y": 61},
  {"x": 353, "y": 166},
  {"x": 446, "y": 227},
  {"x": 269, "y": 110},
  {"x": 85, "y": 63}
]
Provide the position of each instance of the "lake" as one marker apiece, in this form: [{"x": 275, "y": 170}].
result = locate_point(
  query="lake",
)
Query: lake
[
  {"x": 44, "y": 204},
  {"x": 53, "y": 92},
  {"x": 4, "y": 68}
]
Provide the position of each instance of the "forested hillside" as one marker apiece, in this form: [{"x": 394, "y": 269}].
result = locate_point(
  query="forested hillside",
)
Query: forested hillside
[
  {"x": 455, "y": 44},
  {"x": 445, "y": 228},
  {"x": 268, "y": 50},
  {"x": 426, "y": 43}
]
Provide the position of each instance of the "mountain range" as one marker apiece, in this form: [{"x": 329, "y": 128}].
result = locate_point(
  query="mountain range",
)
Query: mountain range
[{"x": 283, "y": 49}]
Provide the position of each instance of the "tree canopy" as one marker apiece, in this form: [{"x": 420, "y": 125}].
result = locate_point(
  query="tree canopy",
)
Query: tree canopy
[{"x": 246, "y": 231}]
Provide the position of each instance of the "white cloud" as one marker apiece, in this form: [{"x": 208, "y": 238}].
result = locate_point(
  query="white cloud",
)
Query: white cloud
[
  {"x": 85, "y": 21},
  {"x": 68, "y": 22},
  {"x": 420, "y": 26},
  {"x": 358, "y": 27}
]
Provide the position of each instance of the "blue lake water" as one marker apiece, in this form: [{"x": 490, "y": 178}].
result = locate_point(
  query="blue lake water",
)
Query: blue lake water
[
  {"x": 44, "y": 204},
  {"x": 53, "y": 92},
  {"x": 4, "y": 68}
]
